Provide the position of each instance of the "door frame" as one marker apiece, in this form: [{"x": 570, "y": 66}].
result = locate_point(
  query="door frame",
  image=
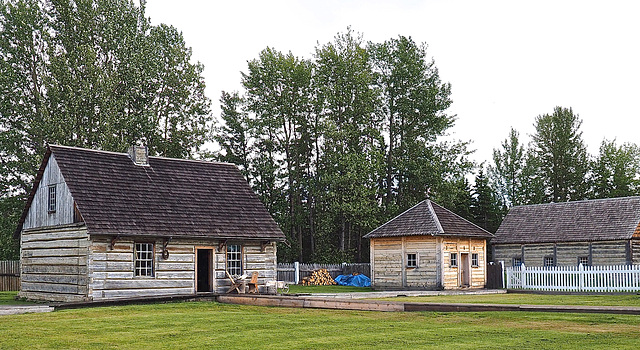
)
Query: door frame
[
  {"x": 465, "y": 270},
  {"x": 211, "y": 269}
]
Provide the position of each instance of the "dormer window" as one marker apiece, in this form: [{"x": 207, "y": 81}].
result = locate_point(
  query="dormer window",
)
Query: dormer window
[{"x": 51, "y": 203}]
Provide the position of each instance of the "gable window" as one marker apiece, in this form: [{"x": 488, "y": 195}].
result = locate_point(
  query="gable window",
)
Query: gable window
[
  {"x": 516, "y": 262},
  {"x": 144, "y": 259},
  {"x": 474, "y": 259},
  {"x": 454, "y": 260},
  {"x": 412, "y": 260},
  {"x": 584, "y": 260},
  {"x": 234, "y": 259},
  {"x": 51, "y": 199},
  {"x": 549, "y": 261}
]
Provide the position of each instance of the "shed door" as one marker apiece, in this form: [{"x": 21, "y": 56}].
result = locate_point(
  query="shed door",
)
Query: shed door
[
  {"x": 204, "y": 270},
  {"x": 465, "y": 280}
]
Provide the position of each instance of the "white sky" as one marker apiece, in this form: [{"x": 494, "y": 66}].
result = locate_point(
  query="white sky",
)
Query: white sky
[{"x": 507, "y": 61}]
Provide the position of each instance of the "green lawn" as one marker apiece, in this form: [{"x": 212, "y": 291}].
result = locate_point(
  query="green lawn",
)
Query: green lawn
[
  {"x": 9, "y": 298},
  {"x": 300, "y": 289},
  {"x": 200, "y": 325},
  {"x": 531, "y": 299}
]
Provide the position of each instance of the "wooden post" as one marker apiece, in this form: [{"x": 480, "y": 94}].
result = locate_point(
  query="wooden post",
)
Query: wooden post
[
  {"x": 523, "y": 276},
  {"x": 296, "y": 266},
  {"x": 581, "y": 276}
]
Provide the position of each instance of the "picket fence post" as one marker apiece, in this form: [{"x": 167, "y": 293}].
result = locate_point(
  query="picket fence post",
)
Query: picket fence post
[
  {"x": 523, "y": 275},
  {"x": 296, "y": 266}
]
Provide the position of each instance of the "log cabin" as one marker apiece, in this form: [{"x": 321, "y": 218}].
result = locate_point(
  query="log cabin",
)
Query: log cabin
[
  {"x": 590, "y": 232},
  {"x": 102, "y": 225},
  {"x": 428, "y": 247}
]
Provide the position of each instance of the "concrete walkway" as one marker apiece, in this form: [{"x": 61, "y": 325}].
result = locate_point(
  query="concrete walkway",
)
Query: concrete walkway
[{"x": 23, "y": 309}]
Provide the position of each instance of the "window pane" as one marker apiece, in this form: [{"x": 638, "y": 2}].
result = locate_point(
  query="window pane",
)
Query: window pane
[
  {"x": 144, "y": 259},
  {"x": 454, "y": 259},
  {"x": 234, "y": 259},
  {"x": 474, "y": 259}
]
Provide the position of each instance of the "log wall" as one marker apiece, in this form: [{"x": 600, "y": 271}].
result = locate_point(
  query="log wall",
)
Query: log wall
[
  {"x": 54, "y": 263},
  {"x": 389, "y": 270},
  {"x": 635, "y": 251},
  {"x": 111, "y": 271},
  {"x": 567, "y": 253},
  {"x": 452, "y": 276}
]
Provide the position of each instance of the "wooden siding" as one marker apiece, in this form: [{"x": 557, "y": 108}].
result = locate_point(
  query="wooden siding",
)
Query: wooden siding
[
  {"x": 534, "y": 254},
  {"x": 38, "y": 215},
  {"x": 387, "y": 262},
  {"x": 635, "y": 251},
  {"x": 426, "y": 274},
  {"x": 567, "y": 253},
  {"x": 388, "y": 259},
  {"x": 112, "y": 270},
  {"x": 506, "y": 253},
  {"x": 609, "y": 253},
  {"x": 53, "y": 263},
  {"x": 452, "y": 276}
]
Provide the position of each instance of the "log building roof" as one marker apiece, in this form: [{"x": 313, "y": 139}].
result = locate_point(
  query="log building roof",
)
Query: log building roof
[
  {"x": 589, "y": 220},
  {"x": 428, "y": 219},
  {"x": 169, "y": 197}
]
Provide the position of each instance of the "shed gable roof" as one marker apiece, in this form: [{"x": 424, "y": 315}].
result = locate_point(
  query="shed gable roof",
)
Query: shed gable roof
[
  {"x": 428, "y": 219},
  {"x": 590, "y": 220},
  {"x": 170, "y": 197}
]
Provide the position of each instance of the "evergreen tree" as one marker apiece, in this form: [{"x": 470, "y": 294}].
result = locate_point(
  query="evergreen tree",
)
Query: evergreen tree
[
  {"x": 507, "y": 170},
  {"x": 487, "y": 210},
  {"x": 561, "y": 155}
]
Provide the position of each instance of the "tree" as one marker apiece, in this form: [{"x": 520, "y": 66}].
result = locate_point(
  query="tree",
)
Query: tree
[
  {"x": 413, "y": 103},
  {"x": 507, "y": 170},
  {"x": 233, "y": 136},
  {"x": 615, "y": 170},
  {"x": 487, "y": 209},
  {"x": 96, "y": 74},
  {"x": 561, "y": 155},
  {"x": 350, "y": 158}
]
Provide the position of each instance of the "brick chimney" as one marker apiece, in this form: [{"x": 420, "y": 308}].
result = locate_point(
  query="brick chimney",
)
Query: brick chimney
[{"x": 139, "y": 155}]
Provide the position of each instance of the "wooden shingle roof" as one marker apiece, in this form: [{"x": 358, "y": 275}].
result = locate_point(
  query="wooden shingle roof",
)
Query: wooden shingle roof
[
  {"x": 170, "y": 197},
  {"x": 428, "y": 219},
  {"x": 590, "y": 220}
]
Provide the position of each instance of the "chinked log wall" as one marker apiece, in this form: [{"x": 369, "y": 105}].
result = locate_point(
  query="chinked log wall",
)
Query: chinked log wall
[
  {"x": 54, "y": 263},
  {"x": 567, "y": 254},
  {"x": 112, "y": 270}
]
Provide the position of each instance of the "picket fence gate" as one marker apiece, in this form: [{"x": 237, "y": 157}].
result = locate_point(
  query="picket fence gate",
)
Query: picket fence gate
[{"x": 615, "y": 278}]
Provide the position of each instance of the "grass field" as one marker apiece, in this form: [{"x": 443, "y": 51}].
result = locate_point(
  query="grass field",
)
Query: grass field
[
  {"x": 9, "y": 298},
  {"x": 531, "y": 299},
  {"x": 211, "y": 325}
]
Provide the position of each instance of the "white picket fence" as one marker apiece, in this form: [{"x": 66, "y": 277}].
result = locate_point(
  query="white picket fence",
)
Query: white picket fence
[{"x": 618, "y": 278}]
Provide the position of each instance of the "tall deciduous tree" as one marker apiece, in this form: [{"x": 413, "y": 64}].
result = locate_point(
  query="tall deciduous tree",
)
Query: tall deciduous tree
[
  {"x": 561, "y": 155},
  {"x": 615, "y": 172},
  {"x": 92, "y": 73},
  {"x": 351, "y": 157},
  {"x": 414, "y": 103}
]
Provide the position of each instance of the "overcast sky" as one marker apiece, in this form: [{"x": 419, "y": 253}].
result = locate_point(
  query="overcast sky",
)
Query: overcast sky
[{"x": 507, "y": 61}]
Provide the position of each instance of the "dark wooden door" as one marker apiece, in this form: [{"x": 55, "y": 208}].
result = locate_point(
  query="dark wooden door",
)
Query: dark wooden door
[{"x": 204, "y": 272}]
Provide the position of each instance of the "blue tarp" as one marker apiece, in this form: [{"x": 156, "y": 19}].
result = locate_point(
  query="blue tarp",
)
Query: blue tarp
[{"x": 353, "y": 280}]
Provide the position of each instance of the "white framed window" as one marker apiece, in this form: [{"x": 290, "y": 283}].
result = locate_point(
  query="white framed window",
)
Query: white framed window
[
  {"x": 474, "y": 259},
  {"x": 412, "y": 260},
  {"x": 584, "y": 260},
  {"x": 517, "y": 261},
  {"x": 143, "y": 259},
  {"x": 234, "y": 259},
  {"x": 453, "y": 259},
  {"x": 51, "y": 199},
  {"x": 549, "y": 261}
]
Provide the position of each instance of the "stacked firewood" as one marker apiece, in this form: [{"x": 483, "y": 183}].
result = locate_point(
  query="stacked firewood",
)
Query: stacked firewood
[{"x": 320, "y": 277}]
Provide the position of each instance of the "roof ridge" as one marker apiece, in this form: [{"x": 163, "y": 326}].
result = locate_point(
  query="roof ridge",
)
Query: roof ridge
[
  {"x": 460, "y": 217},
  {"x": 395, "y": 217},
  {"x": 435, "y": 216},
  {"x": 156, "y": 157},
  {"x": 579, "y": 202}
]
